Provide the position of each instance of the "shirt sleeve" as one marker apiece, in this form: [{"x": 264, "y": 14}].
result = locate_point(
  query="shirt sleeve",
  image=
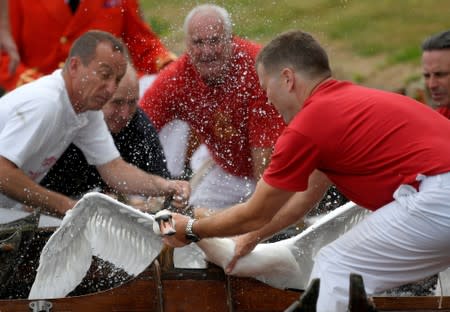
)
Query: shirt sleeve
[
  {"x": 27, "y": 129},
  {"x": 294, "y": 159}
]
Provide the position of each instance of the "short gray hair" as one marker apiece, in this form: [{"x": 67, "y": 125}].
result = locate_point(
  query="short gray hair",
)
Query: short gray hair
[
  {"x": 440, "y": 41},
  {"x": 221, "y": 12}
]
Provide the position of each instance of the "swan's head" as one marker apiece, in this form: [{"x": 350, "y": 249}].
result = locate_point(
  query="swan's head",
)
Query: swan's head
[{"x": 164, "y": 224}]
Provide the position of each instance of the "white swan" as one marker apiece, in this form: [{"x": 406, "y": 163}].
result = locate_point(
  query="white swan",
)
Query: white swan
[
  {"x": 99, "y": 225},
  {"x": 286, "y": 263}
]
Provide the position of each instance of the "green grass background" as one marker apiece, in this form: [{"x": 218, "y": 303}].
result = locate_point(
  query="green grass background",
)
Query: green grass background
[{"x": 389, "y": 31}]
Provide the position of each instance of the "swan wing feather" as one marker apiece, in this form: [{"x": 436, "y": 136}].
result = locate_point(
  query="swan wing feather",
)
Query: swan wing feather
[{"x": 97, "y": 226}]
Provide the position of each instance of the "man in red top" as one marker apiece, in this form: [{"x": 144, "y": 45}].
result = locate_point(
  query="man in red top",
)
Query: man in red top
[
  {"x": 384, "y": 151},
  {"x": 436, "y": 70},
  {"x": 214, "y": 88},
  {"x": 44, "y": 31}
]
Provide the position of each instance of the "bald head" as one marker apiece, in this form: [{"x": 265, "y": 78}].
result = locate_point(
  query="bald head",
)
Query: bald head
[{"x": 123, "y": 105}]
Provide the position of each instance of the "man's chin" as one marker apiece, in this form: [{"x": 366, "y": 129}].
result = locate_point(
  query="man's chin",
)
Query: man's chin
[
  {"x": 440, "y": 101},
  {"x": 213, "y": 78},
  {"x": 116, "y": 129}
]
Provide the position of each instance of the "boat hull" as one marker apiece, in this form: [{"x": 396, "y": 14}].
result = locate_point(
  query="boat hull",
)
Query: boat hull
[{"x": 163, "y": 288}]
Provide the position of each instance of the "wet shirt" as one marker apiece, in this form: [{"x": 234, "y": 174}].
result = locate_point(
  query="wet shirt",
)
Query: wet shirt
[
  {"x": 138, "y": 144},
  {"x": 230, "y": 118},
  {"x": 366, "y": 141}
]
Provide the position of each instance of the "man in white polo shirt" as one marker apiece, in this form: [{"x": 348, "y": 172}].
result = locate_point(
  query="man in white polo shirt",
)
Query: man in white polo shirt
[{"x": 39, "y": 120}]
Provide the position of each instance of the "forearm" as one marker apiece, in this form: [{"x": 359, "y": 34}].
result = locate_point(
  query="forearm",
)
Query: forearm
[
  {"x": 129, "y": 179},
  {"x": 18, "y": 186},
  {"x": 4, "y": 17},
  {"x": 245, "y": 217},
  {"x": 296, "y": 208},
  {"x": 260, "y": 158},
  {"x": 7, "y": 43}
]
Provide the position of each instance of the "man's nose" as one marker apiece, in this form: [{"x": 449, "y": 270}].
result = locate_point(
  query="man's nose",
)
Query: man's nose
[
  {"x": 111, "y": 86},
  {"x": 432, "y": 82},
  {"x": 208, "y": 48},
  {"x": 124, "y": 111}
]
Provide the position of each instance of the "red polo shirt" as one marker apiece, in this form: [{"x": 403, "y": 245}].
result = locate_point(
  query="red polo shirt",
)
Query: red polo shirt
[{"x": 366, "y": 141}]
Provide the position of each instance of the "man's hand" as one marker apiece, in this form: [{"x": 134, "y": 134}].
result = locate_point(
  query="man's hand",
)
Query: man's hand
[
  {"x": 179, "y": 239},
  {"x": 8, "y": 45},
  {"x": 181, "y": 191},
  {"x": 244, "y": 245}
]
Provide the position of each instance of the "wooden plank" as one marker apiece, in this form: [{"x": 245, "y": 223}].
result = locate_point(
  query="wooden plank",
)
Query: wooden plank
[
  {"x": 429, "y": 303},
  {"x": 251, "y": 295},
  {"x": 194, "y": 295},
  {"x": 139, "y": 295}
]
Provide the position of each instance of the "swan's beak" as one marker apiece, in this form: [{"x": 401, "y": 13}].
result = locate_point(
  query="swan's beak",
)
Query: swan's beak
[{"x": 166, "y": 226}]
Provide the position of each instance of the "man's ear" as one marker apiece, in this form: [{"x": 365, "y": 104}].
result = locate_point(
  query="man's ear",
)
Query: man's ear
[
  {"x": 288, "y": 77},
  {"x": 74, "y": 63}
]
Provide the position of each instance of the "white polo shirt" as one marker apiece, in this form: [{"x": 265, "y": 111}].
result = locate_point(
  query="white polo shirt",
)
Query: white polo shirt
[{"x": 37, "y": 124}]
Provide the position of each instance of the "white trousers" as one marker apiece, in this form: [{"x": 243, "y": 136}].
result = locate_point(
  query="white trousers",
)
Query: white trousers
[{"x": 405, "y": 241}]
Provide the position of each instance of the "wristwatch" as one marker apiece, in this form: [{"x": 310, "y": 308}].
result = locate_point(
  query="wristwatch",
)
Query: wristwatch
[{"x": 190, "y": 235}]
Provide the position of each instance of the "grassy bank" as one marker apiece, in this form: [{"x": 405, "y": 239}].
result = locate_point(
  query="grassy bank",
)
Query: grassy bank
[{"x": 366, "y": 39}]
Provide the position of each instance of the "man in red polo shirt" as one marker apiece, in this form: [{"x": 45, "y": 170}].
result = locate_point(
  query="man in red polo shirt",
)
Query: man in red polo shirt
[
  {"x": 214, "y": 88},
  {"x": 384, "y": 151},
  {"x": 436, "y": 70}
]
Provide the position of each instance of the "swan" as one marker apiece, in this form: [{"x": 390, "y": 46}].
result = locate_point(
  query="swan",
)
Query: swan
[
  {"x": 96, "y": 226},
  {"x": 287, "y": 263},
  {"x": 130, "y": 239}
]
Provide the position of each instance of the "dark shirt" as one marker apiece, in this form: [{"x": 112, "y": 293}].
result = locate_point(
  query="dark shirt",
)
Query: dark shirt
[{"x": 138, "y": 144}]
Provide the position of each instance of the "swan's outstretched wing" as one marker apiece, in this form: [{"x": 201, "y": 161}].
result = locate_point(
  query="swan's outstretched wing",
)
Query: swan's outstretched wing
[
  {"x": 287, "y": 263},
  {"x": 101, "y": 226}
]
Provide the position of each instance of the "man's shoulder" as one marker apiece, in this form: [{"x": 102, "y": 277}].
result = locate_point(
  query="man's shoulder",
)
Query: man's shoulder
[
  {"x": 177, "y": 67},
  {"x": 50, "y": 87},
  {"x": 45, "y": 94},
  {"x": 246, "y": 47},
  {"x": 139, "y": 127},
  {"x": 175, "y": 75}
]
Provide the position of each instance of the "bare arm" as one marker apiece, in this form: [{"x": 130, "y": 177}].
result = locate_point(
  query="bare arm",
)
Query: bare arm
[
  {"x": 266, "y": 212},
  {"x": 129, "y": 179},
  {"x": 261, "y": 158},
  {"x": 15, "y": 184},
  {"x": 239, "y": 219},
  {"x": 295, "y": 209},
  {"x": 6, "y": 41}
]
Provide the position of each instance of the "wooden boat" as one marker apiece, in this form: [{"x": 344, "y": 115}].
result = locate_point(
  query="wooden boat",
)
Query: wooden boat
[{"x": 164, "y": 288}]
